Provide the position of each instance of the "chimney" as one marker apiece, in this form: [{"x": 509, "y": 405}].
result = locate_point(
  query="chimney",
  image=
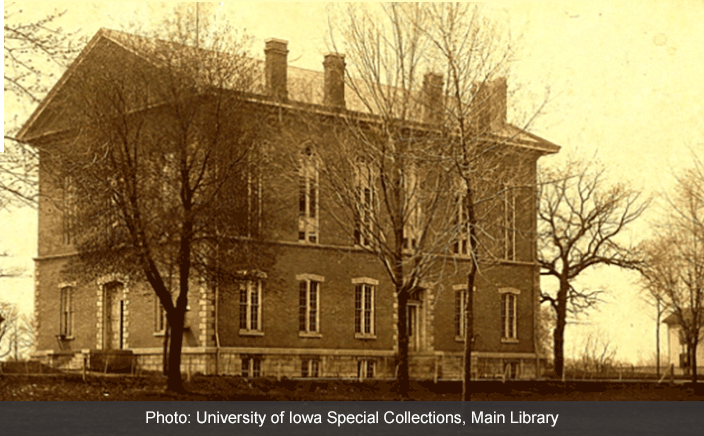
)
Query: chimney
[
  {"x": 489, "y": 105},
  {"x": 276, "y": 68},
  {"x": 498, "y": 103},
  {"x": 334, "y": 92},
  {"x": 431, "y": 98}
]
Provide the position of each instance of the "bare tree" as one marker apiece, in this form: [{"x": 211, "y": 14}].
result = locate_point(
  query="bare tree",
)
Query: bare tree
[
  {"x": 389, "y": 184},
  {"x": 545, "y": 330},
  {"x": 674, "y": 264},
  {"x": 581, "y": 218},
  {"x": 16, "y": 332},
  {"x": 598, "y": 355},
  {"x": 655, "y": 297},
  {"x": 432, "y": 77},
  {"x": 162, "y": 178},
  {"x": 35, "y": 51},
  {"x": 495, "y": 172}
]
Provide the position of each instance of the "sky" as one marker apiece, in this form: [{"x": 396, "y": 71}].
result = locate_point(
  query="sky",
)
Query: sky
[{"x": 623, "y": 86}]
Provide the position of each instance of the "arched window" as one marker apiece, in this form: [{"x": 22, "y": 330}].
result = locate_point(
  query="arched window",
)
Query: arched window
[{"x": 308, "y": 197}]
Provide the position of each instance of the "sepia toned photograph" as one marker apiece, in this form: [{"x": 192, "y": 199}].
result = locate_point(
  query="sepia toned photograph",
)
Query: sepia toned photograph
[{"x": 486, "y": 202}]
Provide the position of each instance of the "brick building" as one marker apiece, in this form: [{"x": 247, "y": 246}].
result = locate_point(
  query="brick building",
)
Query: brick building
[{"x": 325, "y": 307}]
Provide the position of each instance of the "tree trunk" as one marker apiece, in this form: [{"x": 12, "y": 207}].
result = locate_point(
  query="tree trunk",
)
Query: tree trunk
[
  {"x": 165, "y": 359},
  {"x": 176, "y": 319},
  {"x": 657, "y": 341},
  {"x": 402, "y": 377},
  {"x": 559, "y": 332},
  {"x": 693, "y": 358},
  {"x": 468, "y": 335}
]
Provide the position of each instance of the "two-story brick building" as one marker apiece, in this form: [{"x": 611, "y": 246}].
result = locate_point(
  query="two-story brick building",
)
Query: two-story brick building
[{"x": 325, "y": 306}]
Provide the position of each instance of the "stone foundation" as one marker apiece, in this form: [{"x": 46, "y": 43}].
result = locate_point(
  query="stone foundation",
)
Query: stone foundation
[{"x": 284, "y": 363}]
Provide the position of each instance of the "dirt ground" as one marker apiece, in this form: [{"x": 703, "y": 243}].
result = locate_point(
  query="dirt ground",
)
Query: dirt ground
[{"x": 126, "y": 388}]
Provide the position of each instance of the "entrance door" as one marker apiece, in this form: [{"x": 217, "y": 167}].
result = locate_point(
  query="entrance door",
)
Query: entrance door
[{"x": 114, "y": 316}]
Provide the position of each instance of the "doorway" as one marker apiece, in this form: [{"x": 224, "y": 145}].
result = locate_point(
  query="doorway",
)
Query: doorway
[{"x": 114, "y": 316}]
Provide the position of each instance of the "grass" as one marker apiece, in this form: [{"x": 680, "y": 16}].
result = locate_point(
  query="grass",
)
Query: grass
[{"x": 213, "y": 388}]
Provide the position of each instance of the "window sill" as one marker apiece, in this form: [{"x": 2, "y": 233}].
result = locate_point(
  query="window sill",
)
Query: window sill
[
  {"x": 159, "y": 334},
  {"x": 244, "y": 332},
  {"x": 65, "y": 338},
  {"x": 367, "y": 336},
  {"x": 312, "y": 335},
  {"x": 459, "y": 339},
  {"x": 509, "y": 340}
]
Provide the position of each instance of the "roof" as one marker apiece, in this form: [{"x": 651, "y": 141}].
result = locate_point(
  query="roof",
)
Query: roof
[
  {"x": 303, "y": 85},
  {"x": 674, "y": 318}
]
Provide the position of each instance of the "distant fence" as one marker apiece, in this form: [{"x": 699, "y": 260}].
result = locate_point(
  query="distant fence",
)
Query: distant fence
[{"x": 622, "y": 372}]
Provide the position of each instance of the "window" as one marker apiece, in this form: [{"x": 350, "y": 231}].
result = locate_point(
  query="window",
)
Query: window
[
  {"x": 364, "y": 221},
  {"x": 308, "y": 305},
  {"x": 365, "y": 369},
  {"x": 310, "y": 368},
  {"x": 412, "y": 225},
  {"x": 308, "y": 198},
  {"x": 251, "y": 366},
  {"x": 160, "y": 320},
  {"x": 509, "y": 300},
  {"x": 509, "y": 224},
  {"x": 66, "y": 322},
  {"x": 460, "y": 313},
  {"x": 364, "y": 290},
  {"x": 69, "y": 209},
  {"x": 250, "y": 306},
  {"x": 461, "y": 222}
]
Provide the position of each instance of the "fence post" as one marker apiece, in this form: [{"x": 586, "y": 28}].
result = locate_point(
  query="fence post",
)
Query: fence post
[{"x": 672, "y": 373}]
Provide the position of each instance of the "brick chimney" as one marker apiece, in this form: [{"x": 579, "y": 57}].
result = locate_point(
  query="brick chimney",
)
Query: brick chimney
[
  {"x": 334, "y": 87},
  {"x": 498, "y": 106},
  {"x": 431, "y": 98},
  {"x": 489, "y": 105},
  {"x": 276, "y": 68}
]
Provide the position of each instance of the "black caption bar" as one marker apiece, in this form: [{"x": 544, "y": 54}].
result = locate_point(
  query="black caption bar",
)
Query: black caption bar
[{"x": 351, "y": 418}]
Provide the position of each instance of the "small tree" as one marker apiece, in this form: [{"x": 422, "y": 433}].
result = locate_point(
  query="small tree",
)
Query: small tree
[
  {"x": 674, "y": 262},
  {"x": 581, "y": 218},
  {"x": 16, "y": 332}
]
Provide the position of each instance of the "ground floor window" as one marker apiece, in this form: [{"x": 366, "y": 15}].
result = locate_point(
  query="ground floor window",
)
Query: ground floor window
[
  {"x": 364, "y": 290},
  {"x": 159, "y": 316},
  {"x": 250, "y": 306},
  {"x": 66, "y": 322},
  {"x": 509, "y": 317}
]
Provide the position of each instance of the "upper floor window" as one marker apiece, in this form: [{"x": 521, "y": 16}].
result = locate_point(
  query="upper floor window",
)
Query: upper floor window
[
  {"x": 308, "y": 197},
  {"x": 364, "y": 290},
  {"x": 509, "y": 223},
  {"x": 365, "y": 210},
  {"x": 69, "y": 205},
  {"x": 66, "y": 321},
  {"x": 509, "y": 315},
  {"x": 412, "y": 206},
  {"x": 460, "y": 222},
  {"x": 309, "y": 304},
  {"x": 250, "y": 306}
]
